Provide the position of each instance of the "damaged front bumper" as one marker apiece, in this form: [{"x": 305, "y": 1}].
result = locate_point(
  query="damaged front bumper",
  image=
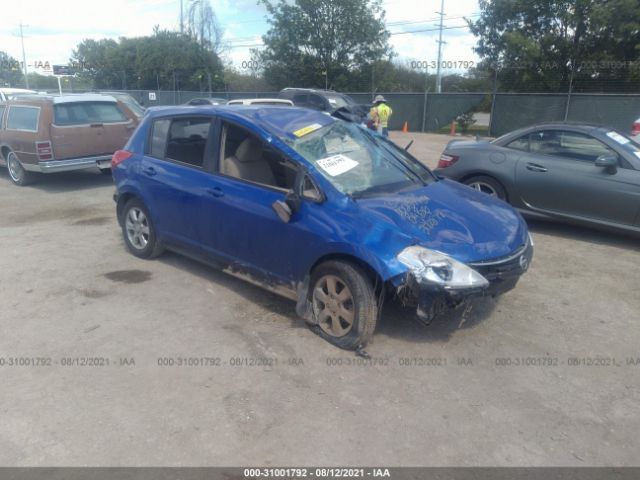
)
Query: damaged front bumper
[{"x": 430, "y": 299}]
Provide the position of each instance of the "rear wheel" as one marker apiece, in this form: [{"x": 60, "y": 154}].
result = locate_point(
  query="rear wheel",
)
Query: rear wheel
[
  {"x": 488, "y": 185},
  {"x": 138, "y": 230},
  {"x": 17, "y": 173},
  {"x": 344, "y": 304}
]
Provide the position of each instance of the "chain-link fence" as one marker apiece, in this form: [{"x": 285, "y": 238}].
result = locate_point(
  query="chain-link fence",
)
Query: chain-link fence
[{"x": 494, "y": 113}]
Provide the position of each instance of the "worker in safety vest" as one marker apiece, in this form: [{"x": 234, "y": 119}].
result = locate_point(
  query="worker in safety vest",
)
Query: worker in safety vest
[{"x": 380, "y": 113}]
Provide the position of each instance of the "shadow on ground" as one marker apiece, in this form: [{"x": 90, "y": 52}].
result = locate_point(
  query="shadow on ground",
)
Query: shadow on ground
[
  {"x": 580, "y": 233},
  {"x": 64, "y": 181}
]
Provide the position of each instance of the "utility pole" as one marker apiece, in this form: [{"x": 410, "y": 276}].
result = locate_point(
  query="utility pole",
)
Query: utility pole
[
  {"x": 181, "y": 17},
  {"x": 440, "y": 42},
  {"x": 24, "y": 56}
]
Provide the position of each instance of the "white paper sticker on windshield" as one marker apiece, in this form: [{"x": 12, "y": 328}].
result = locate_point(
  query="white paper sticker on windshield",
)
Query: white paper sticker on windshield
[
  {"x": 337, "y": 164},
  {"x": 618, "y": 138}
]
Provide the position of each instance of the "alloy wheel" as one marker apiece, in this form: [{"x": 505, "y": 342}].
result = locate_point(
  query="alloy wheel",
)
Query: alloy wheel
[
  {"x": 484, "y": 188},
  {"x": 137, "y": 228},
  {"x": 333, "y": 306}
]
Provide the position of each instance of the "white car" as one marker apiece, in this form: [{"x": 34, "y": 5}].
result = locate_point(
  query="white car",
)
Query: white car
[
  {"x": 7, "y": 93},
  {"x": 274, "y": 102},
  {"x": 635, "y": 129}
]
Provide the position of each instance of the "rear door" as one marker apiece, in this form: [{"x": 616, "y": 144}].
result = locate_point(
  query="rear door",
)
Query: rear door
[
  {"x": 88, "y": 128},
  {"x": 559, "y": 175}
]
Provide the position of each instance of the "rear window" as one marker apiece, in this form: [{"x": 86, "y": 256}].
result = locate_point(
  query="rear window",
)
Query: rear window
[
  {"x": 80, "y": 113},
  {"x": 23, "y": 118}
]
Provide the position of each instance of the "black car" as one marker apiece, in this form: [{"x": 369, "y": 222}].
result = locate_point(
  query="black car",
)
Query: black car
[
  {"x": 587, "y": 174},
  {"x": 207, "y": 101},
  {"x": 323, "y": 100}
]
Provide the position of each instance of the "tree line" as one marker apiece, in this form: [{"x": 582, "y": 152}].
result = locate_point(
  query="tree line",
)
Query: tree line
[{"x": 537, "y": 45}]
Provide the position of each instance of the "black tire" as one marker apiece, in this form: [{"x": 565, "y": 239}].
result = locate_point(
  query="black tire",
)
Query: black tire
[
  {"x": 485, "y": 184},
  {"x": 17, "y": 174},
  {"x": 139, "y": 243},
  {"x": 105, "y": 171},
  {"x": 363, "y": 307}
]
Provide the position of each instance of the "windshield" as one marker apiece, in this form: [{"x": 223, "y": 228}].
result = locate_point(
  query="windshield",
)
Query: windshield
[
  {"x": 130, "y": 102},
  {"x": 358, "y": 163},
  {"x": 339, "y": 101},
  {"x": 625, "y": 141}
]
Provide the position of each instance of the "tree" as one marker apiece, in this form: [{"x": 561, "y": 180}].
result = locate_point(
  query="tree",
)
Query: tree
[
  {"x": 166, "y": 60},
  {"x": 548, "y": 44},
  {"x": 203, "y": 25},
  {"x": 313, "y": 43},
  {"x": 10, "y": 71}
]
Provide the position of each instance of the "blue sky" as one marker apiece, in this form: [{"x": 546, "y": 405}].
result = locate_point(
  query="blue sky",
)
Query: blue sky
[{"x": 55, "y": 28}]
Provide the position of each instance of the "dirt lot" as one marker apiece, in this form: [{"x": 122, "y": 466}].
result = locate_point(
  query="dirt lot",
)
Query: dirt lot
[{"x": 449, "y": 394}]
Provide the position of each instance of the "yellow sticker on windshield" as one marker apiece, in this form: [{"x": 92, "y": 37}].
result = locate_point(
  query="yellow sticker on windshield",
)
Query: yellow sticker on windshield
[{"x": 306, "y": 130}]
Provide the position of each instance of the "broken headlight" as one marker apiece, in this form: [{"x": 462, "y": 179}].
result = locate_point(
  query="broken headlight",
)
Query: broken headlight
[{"x": 431, "y": 267}]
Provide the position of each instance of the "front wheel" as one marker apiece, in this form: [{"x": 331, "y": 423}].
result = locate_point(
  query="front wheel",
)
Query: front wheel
[
  {"x": 488, "y": 185},
  {"x": 17, "y": 173},
  {"x": 345, "y": 308},
  {"x": 138, "y": 230}
]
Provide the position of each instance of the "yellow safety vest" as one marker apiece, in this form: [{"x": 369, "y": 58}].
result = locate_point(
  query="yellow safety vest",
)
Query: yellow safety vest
[{"x": 384, "y": 112}]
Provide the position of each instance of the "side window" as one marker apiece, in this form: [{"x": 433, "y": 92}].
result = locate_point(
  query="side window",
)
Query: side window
[
  {"x": 573, "y": 145},
  {"x": 583, "y": 147},
  {"x": 309, "y": 190},
  {"x": 187, "y": 140},
  {"x": 317, "y": 102},
  {"x": 23, "y": 118},
  {"x": 521, "y": 144},
  {"x": 2, "y": 109},
  {"x": 246, "y": 157},
  {"x": 159, "y": 132},
  {"x": 301, "y": 99}
]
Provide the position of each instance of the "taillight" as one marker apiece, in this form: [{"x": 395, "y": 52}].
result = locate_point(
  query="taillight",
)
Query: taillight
[
  {"x": 447, "y": 160},
  {"x": 44, "y": 151},
  {"x": 119, "y": 157},
  {"x": 635, "y": 129}
]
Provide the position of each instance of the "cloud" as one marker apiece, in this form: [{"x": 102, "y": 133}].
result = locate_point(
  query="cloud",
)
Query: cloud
[{"x": 55, "y": 28}]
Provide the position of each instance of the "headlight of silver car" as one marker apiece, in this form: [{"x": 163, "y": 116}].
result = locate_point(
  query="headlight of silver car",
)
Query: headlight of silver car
[{"x": 431, "y": 267}]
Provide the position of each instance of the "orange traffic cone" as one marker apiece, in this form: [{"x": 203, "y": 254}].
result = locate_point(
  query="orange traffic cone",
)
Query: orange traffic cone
[{"x": 405, "y": 128}]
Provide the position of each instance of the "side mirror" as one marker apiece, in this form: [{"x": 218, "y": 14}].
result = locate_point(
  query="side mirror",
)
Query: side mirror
[
  {"x": 607, "y": 161},
  {"x": 282, "y": 210}
]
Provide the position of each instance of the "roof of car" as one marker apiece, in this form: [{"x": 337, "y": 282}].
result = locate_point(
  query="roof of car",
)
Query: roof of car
[
  {"x": 263, "y": 101},
  {"x": 67, "y": 98},
  {"x": 278, "y": 121}
]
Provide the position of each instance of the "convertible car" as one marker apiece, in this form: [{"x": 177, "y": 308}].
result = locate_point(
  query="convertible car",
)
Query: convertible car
[{"x": 578, "y": 173}]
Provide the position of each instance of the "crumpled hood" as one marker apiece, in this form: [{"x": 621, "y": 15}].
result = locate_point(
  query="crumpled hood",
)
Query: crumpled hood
[{"x": 453, "y": 219}]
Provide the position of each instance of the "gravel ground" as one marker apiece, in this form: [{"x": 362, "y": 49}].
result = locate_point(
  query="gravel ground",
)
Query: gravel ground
[{"x": 548, "y": 374}]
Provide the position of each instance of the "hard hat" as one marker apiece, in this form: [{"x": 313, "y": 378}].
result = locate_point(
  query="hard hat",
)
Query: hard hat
[{"x": 379, "y": 98}]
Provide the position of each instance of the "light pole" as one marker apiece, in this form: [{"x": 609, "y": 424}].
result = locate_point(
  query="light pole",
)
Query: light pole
[
  {"x": 24, "y": 56},
  {"x": 440, "y": 42}
]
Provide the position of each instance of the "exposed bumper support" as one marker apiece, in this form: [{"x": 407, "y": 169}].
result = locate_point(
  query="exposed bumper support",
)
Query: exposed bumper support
[
  {"x": 52, "y": 166},
  {"x": 430, "y": 300}
]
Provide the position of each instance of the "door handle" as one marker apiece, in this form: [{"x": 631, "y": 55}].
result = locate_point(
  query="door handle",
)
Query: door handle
[
  {"x": 215, "y": 192},
  {"x": 534, "y": 167},
  {"x": 149, "y": 171}
]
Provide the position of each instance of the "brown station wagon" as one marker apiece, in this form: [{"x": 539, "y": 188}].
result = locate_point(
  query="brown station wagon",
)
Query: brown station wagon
[{"x": 51, "y": 133}]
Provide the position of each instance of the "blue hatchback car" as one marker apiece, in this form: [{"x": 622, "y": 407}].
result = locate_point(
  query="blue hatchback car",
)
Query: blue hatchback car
[{"x": 315, "y": 208}]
